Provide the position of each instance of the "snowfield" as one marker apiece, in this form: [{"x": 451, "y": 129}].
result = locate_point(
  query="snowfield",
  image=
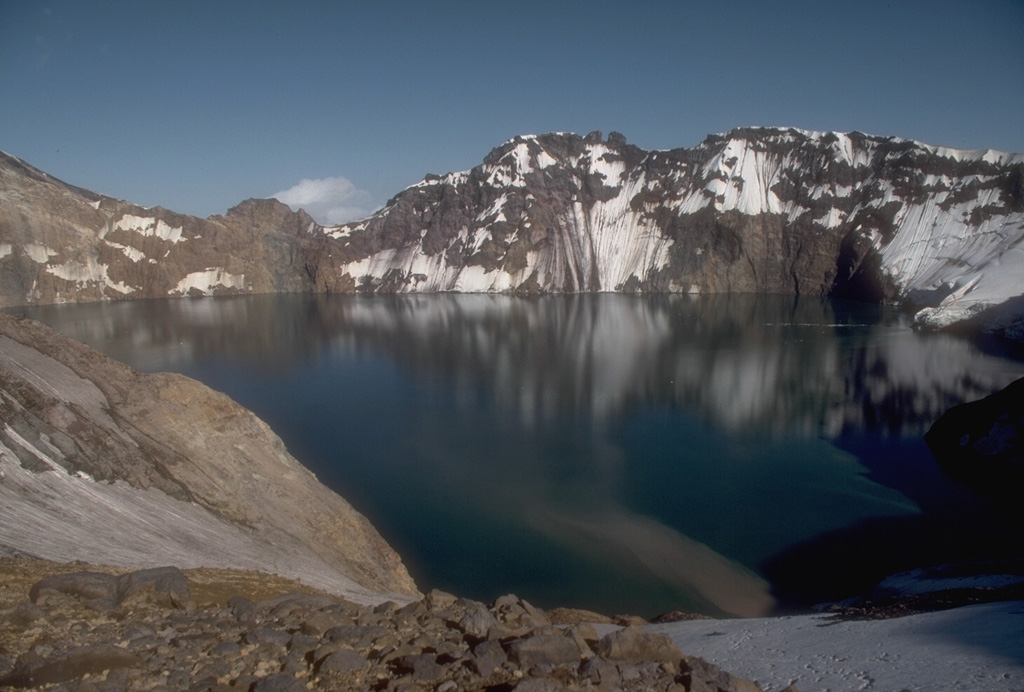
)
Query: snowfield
[{"x": 978, "y": 648}]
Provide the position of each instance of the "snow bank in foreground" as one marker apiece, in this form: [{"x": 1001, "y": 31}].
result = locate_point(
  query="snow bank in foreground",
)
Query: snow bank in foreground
[{"x": 972, "y": 648}]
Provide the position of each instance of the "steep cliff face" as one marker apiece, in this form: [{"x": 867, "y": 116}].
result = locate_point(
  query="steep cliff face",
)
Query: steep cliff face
[
  {"x": 753, "y": 210},
  {"x": 100, "y": 462},
  {"x": 758, "y": 210}
]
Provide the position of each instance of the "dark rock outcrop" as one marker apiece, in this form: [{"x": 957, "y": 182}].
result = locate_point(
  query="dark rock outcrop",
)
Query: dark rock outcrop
[{"x": 981, "y": 443}]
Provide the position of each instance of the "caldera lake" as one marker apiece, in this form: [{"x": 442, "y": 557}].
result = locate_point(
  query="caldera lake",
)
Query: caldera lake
[{"x": 729, "y": 454}]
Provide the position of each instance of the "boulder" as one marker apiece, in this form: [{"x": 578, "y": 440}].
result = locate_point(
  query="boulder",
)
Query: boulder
[
  {"x": 543, "y": 649},
  {"x": 33, "y": 670},
  {"x": 699, "y": 674},
  {"x": 162, "y": 586},
  {"x": 342, "y": 661},
  {"x": 279, "y": 682},
  {"x": 81, "y": 585},
  {"x": 633, "y": 645}
]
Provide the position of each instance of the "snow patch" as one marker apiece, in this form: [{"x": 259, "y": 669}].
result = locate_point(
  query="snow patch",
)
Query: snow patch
[
  {"x": 962, "y": 649},
  {"x": 207, "y": 281},
  {"x": 134, "y": 254},
  {"x": 150, "y": 227},
  {"x": 38, "y": 252},
  {"x": 5, "y": 249},
  {"x": 86, "y": 273},
  {"x": 544, "y": 160}
]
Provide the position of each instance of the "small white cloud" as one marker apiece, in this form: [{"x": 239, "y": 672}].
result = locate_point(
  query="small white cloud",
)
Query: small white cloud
[{"x": 328, "y": 200}]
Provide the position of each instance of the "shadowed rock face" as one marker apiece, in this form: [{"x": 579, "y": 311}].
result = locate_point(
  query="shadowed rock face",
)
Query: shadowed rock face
[
  {"x": 753, "y": 210},
  {"x": 981, "y": 443},
  {"x": 100, "y": 462}
]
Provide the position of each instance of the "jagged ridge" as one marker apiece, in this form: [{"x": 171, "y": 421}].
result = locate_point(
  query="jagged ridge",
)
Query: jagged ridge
[{"x": 754, "y": 210}]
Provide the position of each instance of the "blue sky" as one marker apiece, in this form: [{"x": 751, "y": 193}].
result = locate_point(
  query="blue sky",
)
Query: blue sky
[{"x": 198, "y": 105}]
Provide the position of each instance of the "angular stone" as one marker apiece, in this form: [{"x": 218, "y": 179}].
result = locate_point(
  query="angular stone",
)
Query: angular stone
[
  {"x": 279, "y": 682},
  {"x": 213, "y": 669},
  {"x": 424, "y": 668},
  {"x": 267, "y": 636},
  {"x": 450, "y": 650},
  {"x": 243, "y": 609},
  {"x": 477, "y": 622},
  {"x": 697, "y": 671},
  {"x": 540, "y": 685},
  {"x": 226, "y": 649},
  {"x": 356, "y": 636},
  {"x": 318, "y": 623},
  {"x": 544, "y": 649},
  {"x": 385, "y": 608},
  {"x": 135, "y": 629},
  {"x": 162, "y": 586},
  {"x": 301, "y": 602},
  {"x": 82, "y": 585},
  {"x": 599, "y": 671},
  {"x": 33, "y": 670},
  {"x": 634, "y": 645},
  {"x": 509, "y": 600},
  {"x": 303, "y": 643},
  {"x": 587, "y": 631},
  {"x": 574, "y": 634},
  {"x": 25, "y": 614},
  {"x": 487, "y": 656},
  {"x": 439, "y": 600},
  {"x": 342, "y": 661}
]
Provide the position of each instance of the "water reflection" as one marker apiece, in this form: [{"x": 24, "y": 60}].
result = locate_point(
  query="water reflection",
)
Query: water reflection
[
  {"x": 623, "y": 453},
  {"x": 743, "y": 362}
]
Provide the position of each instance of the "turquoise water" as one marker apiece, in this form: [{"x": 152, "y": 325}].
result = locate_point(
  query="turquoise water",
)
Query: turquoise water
[{"x": 724, "y": 454}]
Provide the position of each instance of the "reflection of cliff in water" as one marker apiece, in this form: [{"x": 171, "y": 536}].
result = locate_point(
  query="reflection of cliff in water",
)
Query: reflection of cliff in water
[
  {"x": 767, "y": 363},
  {"x": 631, "y": 452}
]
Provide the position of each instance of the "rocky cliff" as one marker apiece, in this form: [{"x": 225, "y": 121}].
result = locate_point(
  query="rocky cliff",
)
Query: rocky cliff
[
  {"x": 100, "y": 462},
  {"x": 60, "y": 243},
  {"x": 753, "y": 210}
]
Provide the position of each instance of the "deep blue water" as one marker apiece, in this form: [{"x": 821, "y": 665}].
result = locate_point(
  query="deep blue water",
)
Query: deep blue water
[{"x": 620, "y": 453}]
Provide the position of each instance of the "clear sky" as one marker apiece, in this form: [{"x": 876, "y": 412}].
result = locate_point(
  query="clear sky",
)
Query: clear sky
[{"x": 198, "y": 105}]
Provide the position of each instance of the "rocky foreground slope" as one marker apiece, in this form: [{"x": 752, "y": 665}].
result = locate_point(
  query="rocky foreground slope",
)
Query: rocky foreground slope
[
  {"x": 148, "y": 630},
  {"x": 753, "y": 210},
  {"x": 102, "y": 463}
]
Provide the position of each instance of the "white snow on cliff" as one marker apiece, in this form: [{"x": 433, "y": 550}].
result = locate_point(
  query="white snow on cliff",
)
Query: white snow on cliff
[
  {"x": 68, "y": 517},
  {"x": 149, "y": 226},
  {"x": 952, "y": 237},
  {"x": 205, "y": 281}
]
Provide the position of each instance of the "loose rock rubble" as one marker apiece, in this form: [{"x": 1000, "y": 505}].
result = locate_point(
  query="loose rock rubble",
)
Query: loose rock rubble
[{"x": 95, "y": 632}]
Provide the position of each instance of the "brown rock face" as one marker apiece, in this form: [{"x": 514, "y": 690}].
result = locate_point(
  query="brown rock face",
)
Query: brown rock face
[
  {"x": 60, "y": 243},
  {"x": 100, "y": 462}
]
